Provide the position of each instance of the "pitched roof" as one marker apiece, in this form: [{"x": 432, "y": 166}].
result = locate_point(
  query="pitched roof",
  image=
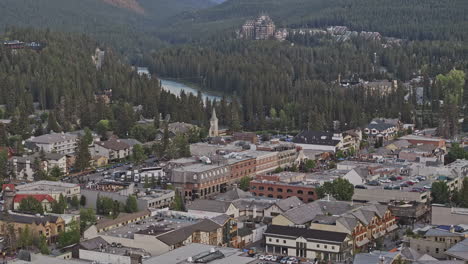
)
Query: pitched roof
[
  {"x": 130, "y": 141},
  {"x": 28, "y": 219},
  {"x": 459, "y": 250},
  {"x": 113, "y": 144},
  {"x": 39, "y": 197},
  {"x": 181, "y": 234},
  {"x": 9, "y": 186},
  {"x": 309, "y": 234},
  {"x": 52, "y": 138},
  {"x": 209, "y": 206},
  {"x": 303, "y": 214},
  {"x": 220, "y": 219},
  {"x": 122, "y": 218},
  {"x": 379, "y": 126},
  {"x": 289, "y": 203},
  {"x": 233, "y": 194}
]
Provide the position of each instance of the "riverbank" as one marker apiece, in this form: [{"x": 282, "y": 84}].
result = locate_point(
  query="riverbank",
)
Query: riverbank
[{"x": 192, "y": 87}]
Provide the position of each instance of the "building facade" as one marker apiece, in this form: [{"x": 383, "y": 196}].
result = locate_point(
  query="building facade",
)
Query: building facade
[
  {"x": 201, "y": 180},
  {"x": 307, "y": 243},
  {"x": 62, "y": 143},
  {"x": 282, "y": 190}
]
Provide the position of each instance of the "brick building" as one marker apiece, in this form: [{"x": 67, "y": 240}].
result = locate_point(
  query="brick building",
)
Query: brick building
[
  {"x": 201, "y": 180},
  {"x": 282, "y": 190},
  {"x": 241, "y": 166}
]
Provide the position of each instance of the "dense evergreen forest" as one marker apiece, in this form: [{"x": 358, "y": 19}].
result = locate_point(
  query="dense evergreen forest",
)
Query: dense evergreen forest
[
  {"x": 63, "y": 79},
  {"x": 286, "y": 85},
  {"x": 415, "y": 20}
]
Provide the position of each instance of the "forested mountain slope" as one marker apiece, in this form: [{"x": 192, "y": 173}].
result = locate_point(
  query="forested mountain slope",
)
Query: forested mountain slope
[
  {"x": 126, "y": 25},
  {"x": 410, "y": 19}
]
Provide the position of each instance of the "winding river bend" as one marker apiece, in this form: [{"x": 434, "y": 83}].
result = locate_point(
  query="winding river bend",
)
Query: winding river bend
[{"x": 177, "y": 87}]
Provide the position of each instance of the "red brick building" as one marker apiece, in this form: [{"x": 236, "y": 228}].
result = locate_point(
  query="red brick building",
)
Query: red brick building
[
  {"x": 245, "y": 166},
  {"x": 283, "y": 190}
]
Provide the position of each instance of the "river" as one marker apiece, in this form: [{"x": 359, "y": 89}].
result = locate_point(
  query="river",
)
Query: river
[{"x": 177, "y": 87}]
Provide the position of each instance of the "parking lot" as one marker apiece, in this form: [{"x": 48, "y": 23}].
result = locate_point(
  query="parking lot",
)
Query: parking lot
[{"x": 404, "y": 183}]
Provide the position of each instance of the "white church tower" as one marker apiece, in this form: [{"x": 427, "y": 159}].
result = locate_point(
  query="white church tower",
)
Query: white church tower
[{"x": 213, "y": 125}]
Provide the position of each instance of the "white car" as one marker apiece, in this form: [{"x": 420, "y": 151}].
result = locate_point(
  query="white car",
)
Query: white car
[
  {"x": 427, "y": 187},
  {"x": 269, "y": 257},
  {"x": 274, "y": 258},
  {"x": 261, "y": 257},
  {"x": 385, "y": 181}
]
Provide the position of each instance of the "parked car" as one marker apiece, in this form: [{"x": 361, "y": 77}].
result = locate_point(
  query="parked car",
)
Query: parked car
[
  {"x": 360, "y": 187},
  {"x": 284, "y": 260},
  {"x": 404, "y": 184},
  {"x": 384, "y": 180},
  {"x": 261, "y": 257},
  {"x": 373, "y": 183},
  {"x": 422, "y": 178},
  {"x": 427, "y": 187},
  {"x": 399, "y": 178},
  {"x": 274, "y": 258},
  {"x": 269, "y": 257},
  {"x": 393, "y": 178},
  {"x": 409, "y": 182}
]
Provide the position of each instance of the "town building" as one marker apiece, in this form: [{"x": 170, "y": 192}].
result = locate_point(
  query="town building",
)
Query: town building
[
  {"x": 327, "y": 141},
  {"x": 423, "y": 140},
  {"x": 99, "y": 250},
  {"x": 61, "y": 143},
  {"x": 364, "y": 223},
  {"x": 446, "y": 215},
  {"x": 174, "y": 129},
  {"x": 46, "y": 225},
  {"x": 245, "y": 136},
  {"x": 200, "y": 253},
  {"x": 459, "y": 251},
  {"x": 45, "y": 200},
  {"x": 52, "y": 188},
  {"x": 112, "y": 149},
  {"x": 436, "y": 241},
  {"x": 381, "y": 129},
  {"x": 260, "y": 29},
  {"x": 281, "y": 190},
  {"x": 307, "y": 243},
  {"x": 241, "y": 166},
  {"x": 201, "y": 180}
]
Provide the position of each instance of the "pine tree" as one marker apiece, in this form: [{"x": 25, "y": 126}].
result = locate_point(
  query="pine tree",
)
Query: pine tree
[{"x": 83, "y": 155}]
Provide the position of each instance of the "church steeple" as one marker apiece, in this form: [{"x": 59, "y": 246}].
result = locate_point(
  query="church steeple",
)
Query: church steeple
[
  {"x": 213, "y": 115},
  {"x": 213, "y": 132}
]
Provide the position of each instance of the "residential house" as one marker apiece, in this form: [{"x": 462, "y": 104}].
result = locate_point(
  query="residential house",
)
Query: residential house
[
  {"x": 113, "y": 149},
  {"x": 381, "y": 129},
  {"x": 319, "y": 140}
]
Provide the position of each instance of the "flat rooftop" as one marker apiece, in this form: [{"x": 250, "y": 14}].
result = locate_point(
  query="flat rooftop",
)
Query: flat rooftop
[
  {"x": 157, "y": 224},
  {"x": 194, "y": 251},
  {"x": 199, "y": 167}
]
